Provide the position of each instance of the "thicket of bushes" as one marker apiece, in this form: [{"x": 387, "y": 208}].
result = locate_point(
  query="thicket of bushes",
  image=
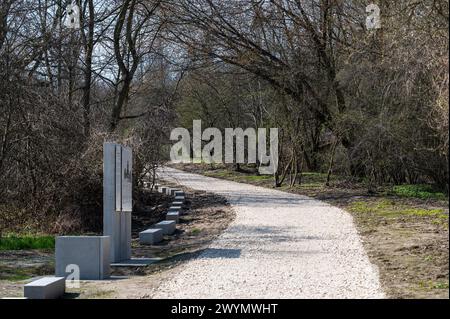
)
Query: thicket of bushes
[{"x": 372, "y": 105}]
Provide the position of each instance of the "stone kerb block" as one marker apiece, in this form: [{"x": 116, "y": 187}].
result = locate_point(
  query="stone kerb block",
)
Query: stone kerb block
[
  {"x": 45, "y": 288},
  {"x": 90, "y": 253},
  {"x": 162, "y": 189},
  {"x": 174, "y": 208},
  {"x": 177, "y": 203},
  {"x": 168, "y": 226},
  {"x": 151, "y": 236},
  {"x": 179, "y": 193},
  {"x": 175, "y": 216},
  {"x": 179, "y": 199}
]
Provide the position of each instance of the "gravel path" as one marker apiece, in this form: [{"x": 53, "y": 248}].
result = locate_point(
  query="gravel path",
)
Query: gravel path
[{"x": 280, "y": 245}]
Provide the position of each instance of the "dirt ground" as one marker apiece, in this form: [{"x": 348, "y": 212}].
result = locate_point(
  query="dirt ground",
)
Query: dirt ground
[
  {"x": 407, "y": 238},
  {"x": 204, "y": 218}
]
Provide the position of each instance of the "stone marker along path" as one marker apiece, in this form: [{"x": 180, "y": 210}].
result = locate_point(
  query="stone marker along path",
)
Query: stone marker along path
[{"x": 280, "y": 245}]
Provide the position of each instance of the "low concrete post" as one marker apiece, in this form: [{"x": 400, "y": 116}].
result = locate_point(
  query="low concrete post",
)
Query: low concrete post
[
  {"x": 179, "y": 193},
  {"x": 175, "y": 216},
  {"x": 180, "y": 199},
  {"x": 162, "y": 189},
  {"x": 45, "y": 288},
  {"x": 168, "y": 226},
  {"x": 151, "y": 236}
]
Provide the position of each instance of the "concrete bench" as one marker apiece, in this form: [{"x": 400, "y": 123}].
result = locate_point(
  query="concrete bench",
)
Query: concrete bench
[
  {"x": 162, "y": 189},
  {"x": 90, "y": 253},
  {"x": 179, "y": 193},
  {"x": 175, "y": 216},
  {"x": 168, "y": 226},
  {"x": 179, "y": 199},
  {"x": 151, "y": 236},
  {"x": 173, "y": 191},
  {"x": 45, "y": 288}
]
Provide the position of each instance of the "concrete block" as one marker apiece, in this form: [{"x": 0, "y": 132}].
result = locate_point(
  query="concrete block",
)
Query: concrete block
[
  {"x": 175, "y": 216},
  {"x": 177, "y": 203},
  {"x": 173, "y": 191},
  {"x": 174, "y": 208},
  {"x": 45, "y": 288},
  {"x": 163, "y": 189},
  {"x": 179, "y": 193},
  {"x": 151, "y": 236},
  {"x": 90, "y": 253},
  {"x": 168, "y": 226},
  {"x": 179, "y": 199},
  {"x": 124, "y": 248}
]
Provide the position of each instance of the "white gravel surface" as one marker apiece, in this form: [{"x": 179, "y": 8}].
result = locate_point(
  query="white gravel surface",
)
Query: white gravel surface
[{"x": 280, "y": 245}]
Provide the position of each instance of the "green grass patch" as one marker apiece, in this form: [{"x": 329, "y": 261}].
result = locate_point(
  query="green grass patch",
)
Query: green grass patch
[
  {"x": 27, "y": 242},
  {"x": 433, "y": 285},
  {"x": 196, "y": 231},
  {"x": 389, "y": 208},
  {"x": 219, "y": 173},
  {"x": 418, "y": 191},
  {"x": 258, "y": 177}
]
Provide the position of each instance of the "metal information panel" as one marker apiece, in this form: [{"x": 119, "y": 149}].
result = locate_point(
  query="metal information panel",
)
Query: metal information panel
[
  {"x": 127, "y": 179},
  {"x": 123, "y": 173}
]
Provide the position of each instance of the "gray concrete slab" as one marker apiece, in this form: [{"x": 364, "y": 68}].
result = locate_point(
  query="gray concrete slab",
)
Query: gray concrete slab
[
  {"x": 179, "y": 199},
  {"x": 162, "y": 189},
  {"x": 179, "y": 193},
  {"x": 178, "y": 211},
  {"x": 111, "y": 219},
  {"x": 175, "y": 216},
  {"x": 151, "y": 236},
  {"x": 125, "y": 236},
  {"x": 90, "y": 253},
  {"x": 45, "y": 288},
  {"x": 168, "y": 226}
]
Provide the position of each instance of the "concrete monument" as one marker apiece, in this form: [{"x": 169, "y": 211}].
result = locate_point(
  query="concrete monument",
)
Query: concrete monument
[{"x": 117, "y": 199}]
